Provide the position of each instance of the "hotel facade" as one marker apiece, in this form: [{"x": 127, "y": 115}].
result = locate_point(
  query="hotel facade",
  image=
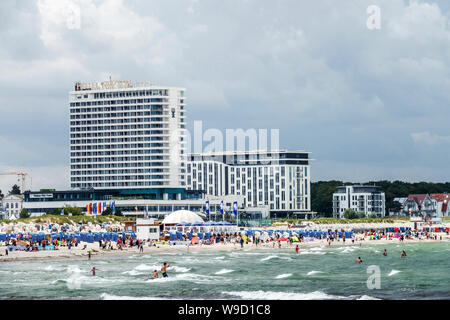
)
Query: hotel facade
[
  {"x": 362, "y": 199},
  {"x": 125, "y": 135},
  {"x": 128, "y": 146},
  {"x": 279, "y": 180}
]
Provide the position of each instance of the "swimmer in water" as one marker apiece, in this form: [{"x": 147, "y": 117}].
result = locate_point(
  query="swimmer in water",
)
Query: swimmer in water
[
  {"x": 359, "y": 261},
  {"x": 93, "y": 271},
  {"x": 385, "y": 253},
  {"x": 155, "y": 275},
  {"x": 403, "y": 254},
  {"x": 164, "y": 270}
]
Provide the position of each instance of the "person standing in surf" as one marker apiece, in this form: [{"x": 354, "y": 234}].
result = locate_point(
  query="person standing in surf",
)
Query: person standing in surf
[
  {"x": 359, "y": 261},
  {"x": 385, "y": 253},
  {"x": 296, "y": 248},
  {"x": 403, "y": 254},
  {"x": 164, "y": 270},
  {"x": 93, "y": 271}
]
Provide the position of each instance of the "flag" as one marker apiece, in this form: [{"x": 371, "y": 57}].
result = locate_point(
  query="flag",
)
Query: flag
[
  {"x": 221, "y": 207},
  {"x": 94, "y": 207},
  {"x": 207, "y": 208},
  {"x": 235, "y": 208},
  {"x": 99, "y": 207},
  {"x": 88, "y": 209},
  {"x": 62, "y": 212},
  {"x": 104, "y": 206},
  {"x": 113, "y": 205}
]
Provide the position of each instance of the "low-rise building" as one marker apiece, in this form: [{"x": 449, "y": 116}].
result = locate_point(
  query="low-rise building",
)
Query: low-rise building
[
  {"x": 362, "y": 199},
  {"x": 11, "y": 206}
]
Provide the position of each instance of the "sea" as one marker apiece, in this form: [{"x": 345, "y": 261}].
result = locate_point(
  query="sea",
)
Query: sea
[{"x": 316, "y": 272}]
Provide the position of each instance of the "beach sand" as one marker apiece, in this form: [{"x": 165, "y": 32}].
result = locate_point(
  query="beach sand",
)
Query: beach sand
[{"x": 64, "y": 253}]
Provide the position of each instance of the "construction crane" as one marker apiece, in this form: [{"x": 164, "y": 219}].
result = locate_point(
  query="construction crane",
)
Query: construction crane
[{"x": 20, "y": 177}]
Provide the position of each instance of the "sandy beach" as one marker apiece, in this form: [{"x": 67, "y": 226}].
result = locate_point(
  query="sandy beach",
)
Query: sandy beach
[{"x": 63, "y": 253}]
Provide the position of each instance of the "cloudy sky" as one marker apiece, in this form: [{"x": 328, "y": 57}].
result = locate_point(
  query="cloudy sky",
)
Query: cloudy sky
[{"x": 368, "y": 104}]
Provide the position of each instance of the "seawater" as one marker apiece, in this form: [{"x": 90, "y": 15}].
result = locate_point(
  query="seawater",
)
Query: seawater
[{"x": 316, "y": 272}]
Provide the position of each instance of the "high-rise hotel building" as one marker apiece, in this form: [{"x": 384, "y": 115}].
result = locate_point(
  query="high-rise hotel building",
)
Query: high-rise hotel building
[
  {"x": 127, "y": 135},
  {"x": 279, "y": 180}
]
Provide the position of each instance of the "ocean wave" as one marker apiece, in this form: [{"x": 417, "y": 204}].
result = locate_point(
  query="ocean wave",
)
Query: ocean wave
[
  {"x": 268, "y": 258},
  {"x": 223, "y": 271},
  {"x": 178, "y": 269},
  {"x": 312, "y": 252},
  {"x": 284, "y": 275},
  {"x": 107, "y": 296},
  {"x": 364, "y": 297},
  {"x": 146, "y": 267},
  {"x": 132, "y": 273},
  {"x": 313, "y": 272},
  {"x": 272, "y": 295}
]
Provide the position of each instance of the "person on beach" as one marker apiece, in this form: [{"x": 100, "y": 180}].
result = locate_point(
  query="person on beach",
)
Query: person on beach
[
  {"x": 6, "y": 251},
  {"x": 89, "y": 254},
  {"x": 359, "y": 261},
  {"x": 403, "y": 254},
  {"x": 385, "y": 253},
  {"x": 164, "y": 270},
  {"x": 296, "y": 249}
]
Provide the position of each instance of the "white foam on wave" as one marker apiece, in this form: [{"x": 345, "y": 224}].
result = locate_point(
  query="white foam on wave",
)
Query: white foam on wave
[
  {"x": 223, "y": 271},
  {"x": 312, "y": 252},
  {"x": 146, "y": 267},
  {"x": 106, "y": 296},
  {"x": 313, "y": 272},
  {"x": 393, "y": 272},
  {"x": 284, "y": 275},
  {"x": 348, "y": 250},
  {"x": 268, "y": 258},
  {"x": 271, "y": 295},
  {"x": 364, "y": 297},
  {"x": 219, "y": 258},
  {"x": 178, "y": 269},
  {"x": 133, "y": 273},
  {"x": 316, "y": 249}
]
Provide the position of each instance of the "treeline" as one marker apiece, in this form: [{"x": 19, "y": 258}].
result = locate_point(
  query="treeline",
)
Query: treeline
[{"x": 322, "y": 192}]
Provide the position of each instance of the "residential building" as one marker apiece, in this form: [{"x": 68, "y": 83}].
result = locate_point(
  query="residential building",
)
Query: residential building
[
  {"x": 420, "y": 204},
  {"x": 362, "y": 199},
  {"x": 442, "y": 204},
  {"x": 278, "y": 180},
  {"x": 127, "y": 135}
]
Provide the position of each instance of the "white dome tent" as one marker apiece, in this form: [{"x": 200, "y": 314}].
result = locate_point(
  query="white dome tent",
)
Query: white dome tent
[{"x": 180, "y": 216}]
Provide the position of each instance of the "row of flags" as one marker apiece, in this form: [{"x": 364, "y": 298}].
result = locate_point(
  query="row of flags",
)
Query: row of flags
[
  {"x": 235, "y": 207},
  {"x": 98, "y": 207}
]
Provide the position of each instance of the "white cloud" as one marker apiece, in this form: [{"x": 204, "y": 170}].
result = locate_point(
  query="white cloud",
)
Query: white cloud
[{"x": 430, "y": 139}]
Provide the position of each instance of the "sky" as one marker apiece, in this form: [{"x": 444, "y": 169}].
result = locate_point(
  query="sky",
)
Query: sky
[{"x": 369, "y": 104}]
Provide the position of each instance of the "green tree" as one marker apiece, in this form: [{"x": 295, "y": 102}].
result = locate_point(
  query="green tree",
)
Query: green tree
[
  {"x": 373, "y": 215},
  {"x": 350, "y": 214},
  {"x": 118, "y": 213},
  {"x": 107, "y": 212},
  {"x": 53, "y": 211},
  {"x": 24, "y": 214},
  {"x": 15, "y": 190},
  {"x": 1, "y": 194}
]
